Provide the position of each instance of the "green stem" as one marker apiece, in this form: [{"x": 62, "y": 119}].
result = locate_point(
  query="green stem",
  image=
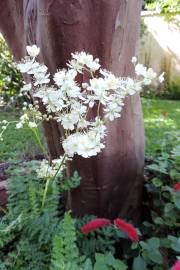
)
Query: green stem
[
  {"x": 39, "y": 141},
  {"x": 61, "y": 164},
  {"x": 98, "y": 110},
  {"x": 45, "y": 192},
  {"x": 51, "y": 179}
]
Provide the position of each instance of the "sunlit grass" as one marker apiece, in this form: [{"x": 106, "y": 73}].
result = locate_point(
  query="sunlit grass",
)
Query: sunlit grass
[
  {"x": 17, "y": 143},
  {"x": 160, "y": 116}
]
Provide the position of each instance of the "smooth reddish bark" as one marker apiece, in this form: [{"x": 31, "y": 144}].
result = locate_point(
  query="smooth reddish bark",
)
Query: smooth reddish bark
[{"x": 108, "y": 29}]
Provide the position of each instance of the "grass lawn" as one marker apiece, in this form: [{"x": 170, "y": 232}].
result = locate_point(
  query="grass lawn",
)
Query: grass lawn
[
  {"x": 160, "y": 116},
  {"x": 18, "y": 143}
]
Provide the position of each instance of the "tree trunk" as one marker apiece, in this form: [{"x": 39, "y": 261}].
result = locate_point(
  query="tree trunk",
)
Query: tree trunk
[{"x": 112, "y": 181}]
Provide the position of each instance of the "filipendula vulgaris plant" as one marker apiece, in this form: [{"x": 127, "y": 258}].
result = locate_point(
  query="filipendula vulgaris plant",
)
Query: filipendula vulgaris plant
[{"x": 70, "y": 103}]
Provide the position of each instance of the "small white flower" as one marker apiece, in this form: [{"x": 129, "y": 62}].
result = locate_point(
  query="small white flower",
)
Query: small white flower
[
  {"x": 63, "y": 76},
  {"x": 112, "y": 110},
  {"x": 132, "y": 86},
  {"x": 19, "y": 125},
  {"x": 134, "y": 60},
  {"x": 33, "y": 50},
  {"x": 69, "y": 120},
  {"x": 83, "y": 59},
  {"x": 140, "y": 70},
  {"x": 84, "y": 144},
  {"x": 83, "y": 123},
  {"x": 41, "y": 78},
  {"x": 25, "y": 67},
  {"x": 24, "y": 118},
  {"x": 32, "y": 124},
  {"x": 46, "y": 170},
  {"x": 151, "y": 74},
  {"x": 98, "y": 86},
  {"x": 161, "y": 77},
  {"x": 26, "y": 88}
]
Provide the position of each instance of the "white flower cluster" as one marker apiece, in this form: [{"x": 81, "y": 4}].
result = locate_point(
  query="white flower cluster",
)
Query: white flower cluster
[
  {"x": 82, "y": 107},
  {"x": 46, "y": 170},
  {"x": 30, "y": 117}
]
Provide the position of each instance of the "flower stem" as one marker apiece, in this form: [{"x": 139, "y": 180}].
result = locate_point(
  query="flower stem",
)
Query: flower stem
[
  {"x": 34, "y": 130},
  {"x": 52, "y": 179},
  {"x": 98, "y": 110},
  {"x": 45, "y": 192}
]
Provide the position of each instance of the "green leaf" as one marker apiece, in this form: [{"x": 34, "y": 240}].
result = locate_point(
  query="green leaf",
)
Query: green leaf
[
  {"x": 168, "y": 208},
  {"x": 159, "y": 221},
  {"x": 155, "y": 256},
  {"x": 176, "y": 199},
  {"x": 152, "y": 249},
  {"x": 100, "y": 263},
  {"x": 175, "y": 242},
  {"x": 119, "y": 265},
  {"x": 154, "y": 242},
  {"x": 157, "y": 182},
  {"x": 139, "y": 264},
  {"x": 144, "y": 245}
]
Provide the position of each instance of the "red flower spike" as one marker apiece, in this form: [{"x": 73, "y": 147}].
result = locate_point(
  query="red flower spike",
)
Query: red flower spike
[
  {"x": 176, "y": 266},
  {"x": 176, "y": 187},
  {"x": 127, "y": 228},
  {"x": 95, "y": 224}
]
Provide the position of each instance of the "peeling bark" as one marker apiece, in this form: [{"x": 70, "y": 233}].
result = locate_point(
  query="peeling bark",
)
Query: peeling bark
[{"x": 108, "y": 29}]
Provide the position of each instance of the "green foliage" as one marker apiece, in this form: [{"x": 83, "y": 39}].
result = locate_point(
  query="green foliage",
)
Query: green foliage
[
  {"x": 18, "y": 143},
  {"x": 170, "y": 89},
  {"x": 107, "y": 261},
  {"x": 66, "y": 255},
  {"x": 36, "y": 238},
  {"x": 164, "y": 6},
  {"x": 10, "y": 77},
  {"x": 27, "y": 230},
  {"x": 160, "y": 116},
  {"x": 65, "y": 252},
  {"x": 139, "y": 263},
  {"x": 101, "y": 241},
  {"x": 164, "y": 204}
]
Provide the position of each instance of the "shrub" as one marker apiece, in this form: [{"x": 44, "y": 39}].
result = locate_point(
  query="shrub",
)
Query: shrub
[{"x": 10, "y": 77}]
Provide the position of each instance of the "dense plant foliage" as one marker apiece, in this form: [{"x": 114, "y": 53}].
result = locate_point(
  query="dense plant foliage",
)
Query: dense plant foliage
[
  {"x": 170, "y": 90},
  {"x": 162, "y": 5},
  {"x": 36, "y": 233},
  {"x": 10, "y": 77},
  {"x": 32, "y": 237}
]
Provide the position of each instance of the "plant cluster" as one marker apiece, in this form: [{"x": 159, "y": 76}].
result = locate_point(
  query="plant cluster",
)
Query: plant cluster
[{"x": 36, "y": 233}]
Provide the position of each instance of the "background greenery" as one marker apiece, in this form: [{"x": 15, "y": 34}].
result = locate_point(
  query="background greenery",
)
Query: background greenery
[
  {"x": 160, "y": 116},
  {"x": 164, "y": 5},
  {"x": 36, "y": 238},
  {"x": 10, "y": 77},
  {"x": 18, "y": 143}
]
